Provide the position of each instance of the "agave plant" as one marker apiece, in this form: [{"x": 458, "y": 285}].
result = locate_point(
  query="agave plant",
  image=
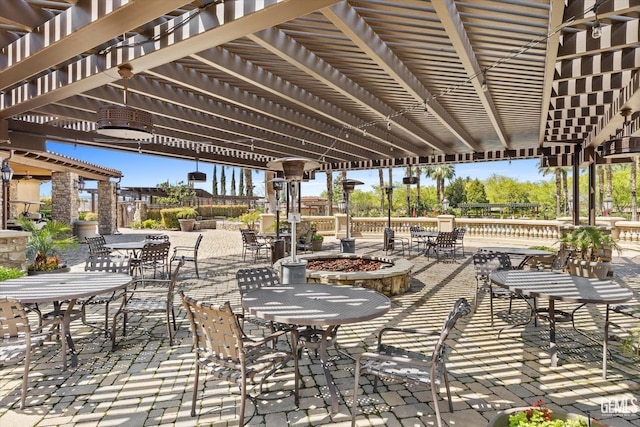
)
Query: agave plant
[{"x": 46, "y": 242}]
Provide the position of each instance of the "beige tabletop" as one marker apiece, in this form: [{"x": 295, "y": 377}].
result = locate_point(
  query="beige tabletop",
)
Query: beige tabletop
[
  {"x": 57, "y": 287},
  {"x": 562, "y": 287},
  {"x": 317, "y": 305}
]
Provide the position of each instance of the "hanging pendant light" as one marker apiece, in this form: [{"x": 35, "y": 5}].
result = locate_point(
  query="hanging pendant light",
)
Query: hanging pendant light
[{"x": 197, "y": 176}]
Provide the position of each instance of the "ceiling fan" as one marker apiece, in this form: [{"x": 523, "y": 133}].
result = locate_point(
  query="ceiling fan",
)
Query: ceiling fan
[{"x": 124, "y": 122}]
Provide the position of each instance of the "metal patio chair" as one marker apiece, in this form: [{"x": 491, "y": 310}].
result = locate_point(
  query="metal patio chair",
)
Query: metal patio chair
[
  {"x": 392, "y": 243},
  {"x": 110, "y": 264},
  {"x": 148, "y": 296},
  {"x": 222, "y": 350},
  {"x": 18, "y": 339},
  {"x": 394, "y": 362},
  {"x": 187, "y": 254}
]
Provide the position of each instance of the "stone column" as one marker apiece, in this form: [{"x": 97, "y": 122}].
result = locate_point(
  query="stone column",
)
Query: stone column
[
  {"x": 64, "y": 197},
  {"x": 106, "y": 207},
  {"x": 141, "y": 211}
]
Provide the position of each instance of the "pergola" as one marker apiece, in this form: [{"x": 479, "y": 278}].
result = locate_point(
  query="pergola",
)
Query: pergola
[{"x": 350, "y": 84}]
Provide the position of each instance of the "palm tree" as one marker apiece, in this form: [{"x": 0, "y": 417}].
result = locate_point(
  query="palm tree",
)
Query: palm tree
[
  {"x": 248, "y": 182},
  {"x": 560, "y": 201},
  {"x": 634, "y": 203},
  {"x": 381, "y": 183},
  {"x": 439, "y": 173},
  {"x": 330, "y": 192}
]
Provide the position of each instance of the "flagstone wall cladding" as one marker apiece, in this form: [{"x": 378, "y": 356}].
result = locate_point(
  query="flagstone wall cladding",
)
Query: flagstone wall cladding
[
  {"x": 13, "y": 249},
  {"x": 64, "y": 196},
  {"x": 107, "y": 207}
]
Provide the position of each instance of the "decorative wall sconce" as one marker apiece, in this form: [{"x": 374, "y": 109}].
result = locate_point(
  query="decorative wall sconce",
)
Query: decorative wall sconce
[{"x": 7, "y": 172}]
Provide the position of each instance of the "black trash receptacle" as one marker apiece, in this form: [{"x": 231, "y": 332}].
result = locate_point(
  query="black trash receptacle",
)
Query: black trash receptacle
[
  {"x": 348, "y": 246},
  {"x": 277, "y": 250}
]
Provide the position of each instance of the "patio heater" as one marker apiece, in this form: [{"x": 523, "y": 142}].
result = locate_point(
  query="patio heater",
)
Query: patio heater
[
  {"x": 409, "y": 181},
  {"x": 278, "y": 244},
  {"x": 293, "y": 169},
  {"x": 389, "y": 192},
  {"x": 117, "y": 191},
  {"x": 7, "y": 174},
  {"x": 348, "y": 245}
]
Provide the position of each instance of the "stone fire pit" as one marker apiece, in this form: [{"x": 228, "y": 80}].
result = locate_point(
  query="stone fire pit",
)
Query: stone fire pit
[{"x": 392, "y": 278}]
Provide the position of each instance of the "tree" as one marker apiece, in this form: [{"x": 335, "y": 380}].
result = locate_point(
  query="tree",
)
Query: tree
[
  {"x": 223, "y": 183},
  {"x": 329, "y": 178},
  {"x": 381, "y": 181},
  {"x": 233, "y": 182},
  {"x": 501, "y": 189},
  {"x": 456, "y": 192},
  {"x": 175, "y": 194},
  {"x": 439, "y": 173},
  {"x": 474, "y": 191},
  {"x": 248, "y": 182},
  {"x": 241, "y": 191},
  {"x": 634, "y": 178},
  {"x": 214, "y": 182}
]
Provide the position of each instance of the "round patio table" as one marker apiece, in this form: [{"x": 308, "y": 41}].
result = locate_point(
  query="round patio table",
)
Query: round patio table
[
  {"x": 317, "y": 304},
  {"x": 57, "y": 287},
  {"x": 563, "y": 287}
]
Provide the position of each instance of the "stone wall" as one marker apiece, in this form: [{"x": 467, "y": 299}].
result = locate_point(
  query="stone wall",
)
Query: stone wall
[{"x": 13, "y": 249}]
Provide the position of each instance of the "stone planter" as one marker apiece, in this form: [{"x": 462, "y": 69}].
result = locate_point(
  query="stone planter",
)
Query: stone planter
[
  {"x": 187, "y": 224},
  {"x": 592, "y": 269},
  {"x": 502, "y": 419},
  {"x": 84, "y": 229},
  {"x": 62, "y": 269}
]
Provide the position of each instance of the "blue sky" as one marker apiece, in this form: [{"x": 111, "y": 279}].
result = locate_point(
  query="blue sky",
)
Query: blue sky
[{"x": 143, "y": 170}]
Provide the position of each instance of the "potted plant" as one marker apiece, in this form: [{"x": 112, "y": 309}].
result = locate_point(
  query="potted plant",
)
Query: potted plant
[
  {"x": 187, "y": 218},
  {"x": 46, "y": 243},
  {"x": 316, "y": 242},
  {"x": 593, "y": 249},
  {"x": 86, "y": 225},
  {"x": 538, "y": 415}
]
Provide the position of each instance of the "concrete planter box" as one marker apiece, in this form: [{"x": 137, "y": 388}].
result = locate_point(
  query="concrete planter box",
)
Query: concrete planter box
[{"x": 84, "y": 229}]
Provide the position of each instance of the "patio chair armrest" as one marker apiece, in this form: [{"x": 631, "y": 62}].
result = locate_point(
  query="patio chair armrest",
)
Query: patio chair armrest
[
  {"x": 395, "y": 359},
  {"x": 266, "y": 340},
  {"x": 183, "y": 248},
  {"x": 405, "y": 331}
]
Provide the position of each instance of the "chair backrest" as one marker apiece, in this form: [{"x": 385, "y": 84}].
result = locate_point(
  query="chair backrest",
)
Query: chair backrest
[
  {"x": 109, "y": 263},
  {"x": 460, "y": 308},
  {"x": 13, "y": 319},
  {"x": 446, "y": 239},
  {"x": 249, "y": 237},
  {"x": 308, "y": 237},
  {"x": 486, "y": 263},
  {"x": 160, "y": 237},
  {"x": 561, "y": 259},
  {"x": 460, "y": 232},
  {"x": 416, "y": 229},
  {"x": 388, "y": 238},
  {"x": 253, "y": 278},
  {"x": 97, "y": 245},
  {"x": 197, "y": 245},
  {"x": 155, "y": 252},
  {"x": 216, "y": 331}
]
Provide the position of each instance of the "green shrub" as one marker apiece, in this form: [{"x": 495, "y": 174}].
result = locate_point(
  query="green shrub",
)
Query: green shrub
[
  {"x": 228, "y": 211},
  {"x": 170, "y": 218},
  {"x": 154, "y": 214},
  {"x": 151, "y": 223},
  {"x": 136, "y": 225},
  {"x": 91, "y": 216},
  {"x": 10, "y": 273},
  {"x": 249, "y": 219}
]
